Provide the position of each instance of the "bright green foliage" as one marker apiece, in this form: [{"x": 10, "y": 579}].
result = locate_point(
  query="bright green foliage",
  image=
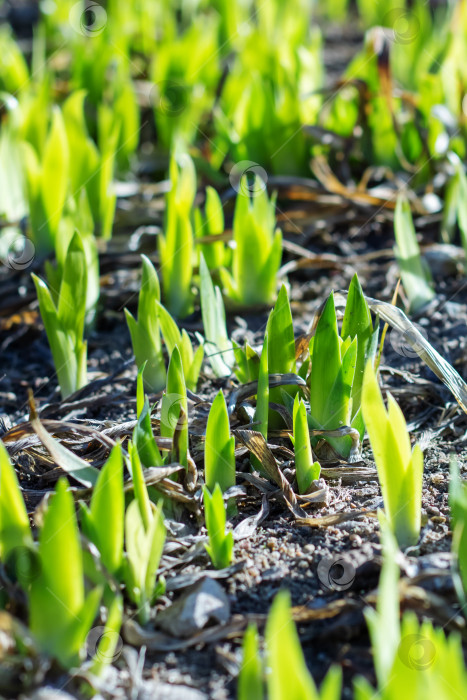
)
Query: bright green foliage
[
  {"x": 219, "y": 450},
  {"x": 91, "y": 168},
  {"x": 258, "y": 248},
  {"x": 60, "y": 612},
  {"x": 145, "y": 332},
  {"x": 14, "y": 73},
  {"x": 143, "y": 436},
  {"x": 103, "y": 521},
  {"x": 139, "y": 485},
  {"x": 218, "y": 346},
  {"x": 250, "y": 678},
  {"x": 288, "y": 677},
  {"x": 191, "y": 359},
  {"x": 333, "y": 362},
  {"x": 174, "y": 402},
  {"x": 211, "y": 224},
  {"x": 281, "y": 352},
  {"x": 220, "y": 547},
  {"x": 185, "y": 89},
  {"x": 144, "y": 542},
  {"x": 68, "y": 226},
  {"x": 411, "y": 659},
  {"x": 415, "y": 275},
  {"x": 176, "y": 245},
  {"x": 14, "y": 522},
  {"x": 458, "y": 505},
  {"x": 306, "y": 469},
  {"x": 64, "y": 323},
  {"x": 271, "y": 90},
  {"x": 47, "y": 184},
  {"x": 357, "y": 323},
  {"x": 247, "y": 361},
  {"x": 400, "y": 469},
  {"x": 281, "y": 349}
]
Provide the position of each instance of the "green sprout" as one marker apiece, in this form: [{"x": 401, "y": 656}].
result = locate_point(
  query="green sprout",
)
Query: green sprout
[
  {"x": 143, "y": 436},
  {"x": 438, "y": 672},
  {"x": 219, "y": 450},
  {"x": 174, "y": 409},
  {"x": 220, "y": 547},
  {"x": 144, "y": 542},
  {"x": 307, "y": 470},
  {"x": 176, "y": 245},
  {"x": 357, "y": 323},
  {"x": 250, "y": 677},
  {"x": 258, "y": 248},
  {"x": 61, "y": 613},
  {"x": 173, "y": 337},
  {"x": 107, "y": 507},
  {"x": 400, "y": 469},
  {"x": 145, "y": 331},
  {"x": 64, "y": 322},
  {"x": 217, "y": 345},
  {"x": 288, "y": 675},
  {"x": 47, "y": 184},
  {"x": 211, "y": 224},
  {"x": 333, "y": 363},
  {"x": 15, "y": 532}
]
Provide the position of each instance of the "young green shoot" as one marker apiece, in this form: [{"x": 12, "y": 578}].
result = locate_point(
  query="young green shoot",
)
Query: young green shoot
[
  {"x": 306, "y": 469},
  {"x": 47, "y": 184},
  {"x": 64, "y": 323},
  {"x": 144, "y": 541},
  {"x": 174, "y": 409},
  {"x": 333, "y": 362},
  {"x": 219, "y": 450},
  {"x": 288, "y": 676},
  {"x": 15, "y": 532},
  {"x": 258, "y": 249},
  {"x": 220, "y": 547},
  {"x": 217, "y": 345},
  {"x": 61, "y": 613},
  {"x": 145, "y": 332},
  {"x": 400, "y": 469},
  {"x": 250, "y": 677},
  {"x": 102, "y": 522},
  {"x": 143, "y": 436},
  {"x": 357, "y": 323},
  {"x": 176, "y": 244},
  {"x": 191, "y": 359},
  {"x": 211, "y": 224}
]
